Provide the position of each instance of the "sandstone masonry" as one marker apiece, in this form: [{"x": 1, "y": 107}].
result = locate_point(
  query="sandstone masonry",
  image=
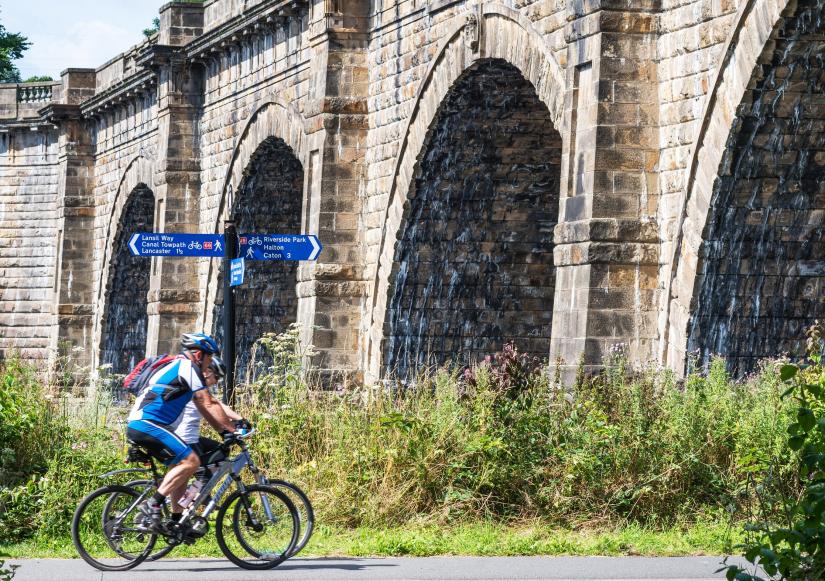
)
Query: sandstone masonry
[{"x": 567, "y": 174}]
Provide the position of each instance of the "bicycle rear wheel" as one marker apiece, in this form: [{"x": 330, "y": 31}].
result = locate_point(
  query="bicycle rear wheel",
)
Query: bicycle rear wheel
[
  {"x": 105, "y": 532},
  {"x": 140, "y": 487},
  {"x": 305, "y": 511},
  {"x": 257, "y": 528}
]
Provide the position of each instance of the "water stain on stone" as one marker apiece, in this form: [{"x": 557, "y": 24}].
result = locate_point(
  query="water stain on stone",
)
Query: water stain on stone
[
  {"x": 269, "y": 200},
  {"x": 760, "y": 280},
  {"x": 475, "y": 251},
  {"x": 123, "y": 341}
]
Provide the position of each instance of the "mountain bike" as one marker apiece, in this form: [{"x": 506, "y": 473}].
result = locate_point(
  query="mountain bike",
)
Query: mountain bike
[
  {"x": 256, "y": 526},
  {"x": 209, "y": 461}
]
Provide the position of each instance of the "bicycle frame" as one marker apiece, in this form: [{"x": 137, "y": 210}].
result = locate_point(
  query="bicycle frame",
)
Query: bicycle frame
[{"x": 228, "y": 471}]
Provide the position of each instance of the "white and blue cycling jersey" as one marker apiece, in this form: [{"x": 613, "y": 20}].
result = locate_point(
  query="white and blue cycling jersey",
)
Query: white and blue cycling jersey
[{"x": 169, "y": 390}]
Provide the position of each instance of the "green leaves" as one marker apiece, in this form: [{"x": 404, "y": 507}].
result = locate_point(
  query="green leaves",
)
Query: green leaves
[
  {"x": 788, "y": 371},
  {"x": 806, "y": 419},
  {"x": 792, "y": 548}
]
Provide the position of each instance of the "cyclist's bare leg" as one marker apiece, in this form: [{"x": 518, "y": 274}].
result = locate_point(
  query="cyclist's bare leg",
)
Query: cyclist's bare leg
[
  {"x": 174, "y": 497},
  {"x": 174, "y": 483}
]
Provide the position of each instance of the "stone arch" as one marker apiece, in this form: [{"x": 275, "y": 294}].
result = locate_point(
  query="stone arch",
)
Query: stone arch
[
  {"x": 495, "y": 32},
  {"x": 272, "y": 119},
  {"x": 747, "y": 121},
  {"x": 269, "y": 199},
  {"x": 125, "y": 320},
  {"x": 139, "y": 172}
]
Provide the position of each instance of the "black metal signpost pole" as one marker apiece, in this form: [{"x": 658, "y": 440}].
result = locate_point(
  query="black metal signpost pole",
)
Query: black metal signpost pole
[{"x": 231, "y": 251}]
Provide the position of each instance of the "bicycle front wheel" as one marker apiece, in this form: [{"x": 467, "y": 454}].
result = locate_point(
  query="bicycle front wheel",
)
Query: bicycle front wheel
[
  {"x": 257, "y": 528},
  {"x": 305, "y": 511},
  {"x": 105, "y": 530}
]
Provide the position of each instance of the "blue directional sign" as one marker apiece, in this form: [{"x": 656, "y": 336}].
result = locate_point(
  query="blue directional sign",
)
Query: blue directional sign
[
  {"x": 236, "y": 271},
  {"x": 176, "y": 244},
  {"x": 279, "y": 247}
]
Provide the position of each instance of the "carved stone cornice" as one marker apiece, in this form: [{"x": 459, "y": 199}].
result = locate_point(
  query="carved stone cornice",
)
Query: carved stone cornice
[
  {"x": 254, "y": 21},
  {"x": 56, "y": 112},
  {"x": 138, "y": 83}
]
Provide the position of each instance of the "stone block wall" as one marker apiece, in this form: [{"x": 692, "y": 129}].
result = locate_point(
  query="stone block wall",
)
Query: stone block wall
[
  {"x": 29, "y": 241},
  {"x": 644, "y": 99}
]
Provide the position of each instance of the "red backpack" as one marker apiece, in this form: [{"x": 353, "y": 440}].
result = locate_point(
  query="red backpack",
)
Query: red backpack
[{"x": 143, "y": 371}]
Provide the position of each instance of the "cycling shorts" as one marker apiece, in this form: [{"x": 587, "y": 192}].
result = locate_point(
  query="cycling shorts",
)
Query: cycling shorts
[
  {"x": 206, "y": 449},
  {"x": 159, "y": 440}
]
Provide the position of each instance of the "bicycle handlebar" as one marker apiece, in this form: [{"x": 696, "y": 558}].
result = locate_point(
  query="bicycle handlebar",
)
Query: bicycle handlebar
[{"x": 234, "y": 438}]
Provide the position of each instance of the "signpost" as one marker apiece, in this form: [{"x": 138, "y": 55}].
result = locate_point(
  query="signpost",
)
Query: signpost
[
  {"x": 229, "y": 311},
  {"x": 279, "y": 246},
  {"x": 236, "y": 271},
  {"x": 176, "y": 244},
  {"x": 234, "y": 251}
]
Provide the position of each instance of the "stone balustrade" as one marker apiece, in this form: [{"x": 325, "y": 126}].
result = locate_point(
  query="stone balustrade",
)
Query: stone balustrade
[{"x": 34, "y": 93}]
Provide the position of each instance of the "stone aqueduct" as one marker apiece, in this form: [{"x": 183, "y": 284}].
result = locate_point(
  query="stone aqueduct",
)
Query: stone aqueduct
[{"x": 564, "y": 173}]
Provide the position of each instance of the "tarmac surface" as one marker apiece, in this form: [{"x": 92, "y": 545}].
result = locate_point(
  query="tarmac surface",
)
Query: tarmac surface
[{"x": 392, "y": 569}]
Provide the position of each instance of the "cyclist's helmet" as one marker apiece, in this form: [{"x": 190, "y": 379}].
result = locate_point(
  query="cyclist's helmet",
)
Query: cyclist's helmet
[
  {"x": 218, "y": 367},
  {"x": 199, "y": 342}
]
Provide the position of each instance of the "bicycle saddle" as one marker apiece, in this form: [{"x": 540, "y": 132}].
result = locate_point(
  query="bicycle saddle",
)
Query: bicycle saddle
[{"x": 137, "y": 455}]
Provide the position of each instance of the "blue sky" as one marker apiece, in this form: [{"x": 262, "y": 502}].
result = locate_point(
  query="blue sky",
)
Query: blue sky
[{"x": 75, "y": 33}]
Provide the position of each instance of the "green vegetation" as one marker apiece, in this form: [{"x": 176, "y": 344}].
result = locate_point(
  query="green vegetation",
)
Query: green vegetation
[
  {"x": 152, "y": 30},
  {"x": 482, "y": 539},
  {"x": 7, "y": 573},
  {"x": 786, "y": 531},
  {"x": 12, "y": 47},
  {"x": 500, "y": 459},
  {"x": 38, "y": 79}
]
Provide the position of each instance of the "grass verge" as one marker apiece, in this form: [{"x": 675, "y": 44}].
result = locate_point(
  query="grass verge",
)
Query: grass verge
[{"x": 478, "y": 539}]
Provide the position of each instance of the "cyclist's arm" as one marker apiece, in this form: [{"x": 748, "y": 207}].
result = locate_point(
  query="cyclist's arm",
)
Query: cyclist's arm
[
  {"x": 231, "y": 414},
  {"x": 212, "y": 411}
]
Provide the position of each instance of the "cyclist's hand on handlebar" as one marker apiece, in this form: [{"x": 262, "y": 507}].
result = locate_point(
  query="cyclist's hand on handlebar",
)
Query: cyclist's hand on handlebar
[{"x": 244, "y": 425}]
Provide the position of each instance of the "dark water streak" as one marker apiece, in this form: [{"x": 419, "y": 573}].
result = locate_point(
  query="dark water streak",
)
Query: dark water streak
[{"x": 762, "y": 262}]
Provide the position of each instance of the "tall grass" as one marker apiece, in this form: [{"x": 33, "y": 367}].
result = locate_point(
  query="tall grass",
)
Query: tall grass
[{"x": 500, "y": 442}]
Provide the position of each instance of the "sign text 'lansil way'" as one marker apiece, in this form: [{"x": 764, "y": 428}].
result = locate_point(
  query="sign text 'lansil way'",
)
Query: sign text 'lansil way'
[
  {"x": 176, "y": 244},
  {"x": 279, "y": 246}
]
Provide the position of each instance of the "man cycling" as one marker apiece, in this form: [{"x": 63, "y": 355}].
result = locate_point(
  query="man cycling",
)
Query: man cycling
[
  {"x": 159, "y": 407},
  {"x": 189, "y": 424}
]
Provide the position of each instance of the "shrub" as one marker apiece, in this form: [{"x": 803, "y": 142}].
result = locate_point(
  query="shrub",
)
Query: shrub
[
  {"x": 786, "y": 535},
  {"x": 499, "y": 441},
  {"x": 50, "y": 454}
]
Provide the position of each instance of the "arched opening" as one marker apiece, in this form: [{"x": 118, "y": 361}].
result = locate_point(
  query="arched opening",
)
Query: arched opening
[
  {"x": 125, "y": 320},
  {"x": 268, "y": 200},
  {"x": 474, "y": 256},
  {"x": 761, "y": 265}
]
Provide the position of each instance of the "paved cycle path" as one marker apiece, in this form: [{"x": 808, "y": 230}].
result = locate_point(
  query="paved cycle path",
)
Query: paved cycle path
[{"x": 393, "y": 569}]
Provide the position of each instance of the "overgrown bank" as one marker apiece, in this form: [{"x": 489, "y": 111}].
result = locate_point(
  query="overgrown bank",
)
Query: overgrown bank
[{"x": 497, "y": 448}]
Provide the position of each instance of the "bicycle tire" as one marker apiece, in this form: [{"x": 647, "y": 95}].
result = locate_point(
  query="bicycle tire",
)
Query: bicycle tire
[
  {"x": 76, "y": 533},
  {"x": 268, "y": 562},
  {"x": 134, "y": 484},
  {"x": 308, "y": 524}
]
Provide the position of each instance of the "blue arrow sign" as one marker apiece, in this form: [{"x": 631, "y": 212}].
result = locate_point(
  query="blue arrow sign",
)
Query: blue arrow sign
[
  {"x": 236, "y": 271},
  {"x": 279, "y": 246},
  {"x": 176, "y": 244}
]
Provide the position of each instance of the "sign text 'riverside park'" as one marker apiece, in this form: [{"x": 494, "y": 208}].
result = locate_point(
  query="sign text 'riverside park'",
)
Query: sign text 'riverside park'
[{"x": 252, "y": 246}]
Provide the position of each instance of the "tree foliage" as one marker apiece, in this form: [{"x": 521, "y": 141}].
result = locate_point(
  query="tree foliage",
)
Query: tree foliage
[
  {"x": 12, "y": 47},
  {"x": 148, "y": 32},
  {"x": 786, "y": 538}
]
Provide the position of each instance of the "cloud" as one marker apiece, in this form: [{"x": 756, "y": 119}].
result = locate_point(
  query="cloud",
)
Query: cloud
[
  {"x": 75, "y": 33},
  {"x": 85, "y": 44}
]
